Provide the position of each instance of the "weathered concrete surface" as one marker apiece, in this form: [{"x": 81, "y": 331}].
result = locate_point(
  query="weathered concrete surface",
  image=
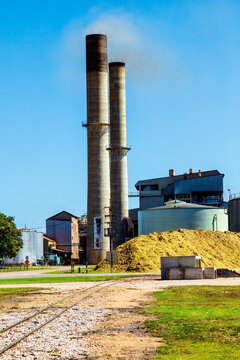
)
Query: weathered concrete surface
[
  {"x": 210, "y": 273},
  {"x": 118, "y": 149},
  {"x": 184, "y": 273},
  {"x": 98, "y": 141},
  {"x": 168, "y": 262}
]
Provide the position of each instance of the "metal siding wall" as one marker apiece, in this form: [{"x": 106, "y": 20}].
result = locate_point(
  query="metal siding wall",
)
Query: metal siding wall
[
  {"x": 208, "y": 183},
  {"x": 63, "y": 231},
  {"x": 167, "y": 220},
  {"x": 39, "y": 242},
  {"x": 50, "y": 229},
  {"x": 234, "y": 215},
  {"x": 150, "y": 202},
  {"x": 32, "y": 247},
  {"x": 169, "y": 190}
]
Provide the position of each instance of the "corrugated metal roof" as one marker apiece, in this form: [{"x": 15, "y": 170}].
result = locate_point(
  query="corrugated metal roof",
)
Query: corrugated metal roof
[
  {"x": 62, "y": 212},
  {"x": 176, "y": 204},
  {"x": 48, "y": 238},
  {"x": 171, "y": 179}
]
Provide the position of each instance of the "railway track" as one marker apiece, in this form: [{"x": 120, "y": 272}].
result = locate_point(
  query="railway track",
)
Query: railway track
[{"x": 49, "y": 314}]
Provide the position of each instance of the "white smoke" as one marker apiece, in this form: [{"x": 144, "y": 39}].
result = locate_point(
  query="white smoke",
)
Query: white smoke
[{"x": 128, "y": 40}]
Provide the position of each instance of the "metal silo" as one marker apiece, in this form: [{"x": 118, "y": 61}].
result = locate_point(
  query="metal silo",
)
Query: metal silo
[
  {"x": 234, "y": 212},
  {"x": 178, "y": 214},
  {"x": 32, "y": 249}
]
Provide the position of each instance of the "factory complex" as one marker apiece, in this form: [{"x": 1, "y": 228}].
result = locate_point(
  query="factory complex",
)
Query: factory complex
[{"x": 185, "y": 201}]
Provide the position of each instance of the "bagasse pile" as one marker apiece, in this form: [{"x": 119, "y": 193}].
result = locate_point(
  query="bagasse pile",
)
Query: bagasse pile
[{"x": 142, "y": 254}]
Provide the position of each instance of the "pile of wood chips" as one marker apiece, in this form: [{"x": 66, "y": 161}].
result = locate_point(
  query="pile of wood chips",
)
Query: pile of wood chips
[{"x": 143, "y": 253}]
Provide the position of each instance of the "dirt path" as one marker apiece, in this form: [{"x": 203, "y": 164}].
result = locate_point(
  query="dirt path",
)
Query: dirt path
[{"x": 122, "y": 334}]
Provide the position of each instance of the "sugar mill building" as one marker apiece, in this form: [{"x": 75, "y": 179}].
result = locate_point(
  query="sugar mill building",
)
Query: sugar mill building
[
  {"x": 202, "y": 188},
  {"x": 63, "y": 228}
]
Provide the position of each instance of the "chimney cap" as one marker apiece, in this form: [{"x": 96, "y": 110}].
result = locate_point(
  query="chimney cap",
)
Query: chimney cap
[
  {"x": 95, "y": 35},
  {"x": 116, "y": 63}
]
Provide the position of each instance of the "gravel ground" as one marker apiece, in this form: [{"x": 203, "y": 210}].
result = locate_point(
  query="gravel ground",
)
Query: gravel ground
[{"x": 60, "y": 339}]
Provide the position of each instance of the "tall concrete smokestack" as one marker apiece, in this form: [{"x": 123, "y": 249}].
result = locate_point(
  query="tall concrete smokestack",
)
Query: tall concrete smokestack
[
  {"x": 118, "y": 149},
  {"x": 98, "y": 141}
]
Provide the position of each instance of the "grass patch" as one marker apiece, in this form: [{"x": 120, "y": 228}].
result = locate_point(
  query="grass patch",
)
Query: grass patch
[
  {"x": 60, "y": 279},
  {"x": 16, "y": 291},
  {"x": 197, "y": 322}
]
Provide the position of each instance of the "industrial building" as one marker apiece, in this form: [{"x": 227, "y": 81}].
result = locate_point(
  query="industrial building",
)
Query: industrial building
[
  {"x": 52, "y": 254},
  {"x": 63, "y": 228},
  {"x": 179, "y": 214},
  {"x": 203, "y": 188}
]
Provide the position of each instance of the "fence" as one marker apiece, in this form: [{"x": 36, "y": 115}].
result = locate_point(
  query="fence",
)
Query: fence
[
  {"x": 234, "y": 196},
  {"x": 13, "y": 267}
]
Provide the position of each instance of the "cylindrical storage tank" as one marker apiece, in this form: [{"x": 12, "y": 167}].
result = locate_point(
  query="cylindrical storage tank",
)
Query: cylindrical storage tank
[
  {"x": 118, "y": 150},
  {"x": 182, "y": 215},
  {"x": 234, "y": 213},
  {"x": 32, "y": 249},
  {"x": 98, "y": 141}
]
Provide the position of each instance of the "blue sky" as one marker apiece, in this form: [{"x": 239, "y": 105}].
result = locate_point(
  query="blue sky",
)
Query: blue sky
[{"x": 183, "y": 85}]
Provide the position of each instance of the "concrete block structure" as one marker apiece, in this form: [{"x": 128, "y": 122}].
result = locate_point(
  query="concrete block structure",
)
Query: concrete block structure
[
  {"x": 185, "y": 267},
  {"x": 210, "y": 273},
  {"x": 185, "y": 273},
  {"x": 168, "y": 262}
]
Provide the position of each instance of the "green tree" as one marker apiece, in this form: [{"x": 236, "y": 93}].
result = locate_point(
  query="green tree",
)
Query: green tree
[{"x": 10, "y": 237}]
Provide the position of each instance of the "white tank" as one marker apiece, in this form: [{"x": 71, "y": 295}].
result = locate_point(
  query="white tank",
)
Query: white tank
[
  {"x": 178, "y": 214},
  {"x": 32, "y": 249}
]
